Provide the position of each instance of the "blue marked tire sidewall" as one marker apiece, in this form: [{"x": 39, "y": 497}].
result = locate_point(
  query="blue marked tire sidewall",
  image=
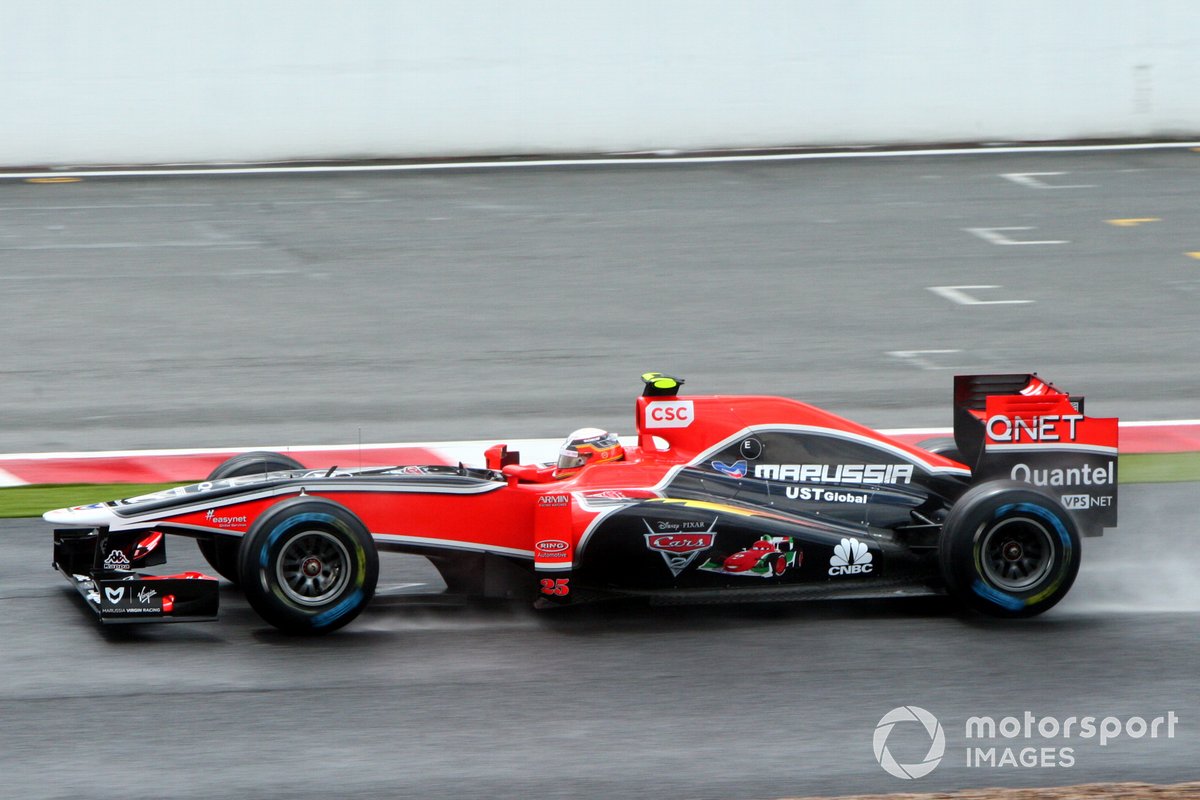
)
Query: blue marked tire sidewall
[
  {"x": 979, "y": 510},
  {"x": 1047, "y": 588},
  {"x": 340, "y": 609}
]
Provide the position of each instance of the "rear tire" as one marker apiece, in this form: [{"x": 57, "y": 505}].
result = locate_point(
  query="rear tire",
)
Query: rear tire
[
  {"x": 1009, "y": 551},
  {"x": 221, "y": 552},
  {"x": 308, "y": 566}
]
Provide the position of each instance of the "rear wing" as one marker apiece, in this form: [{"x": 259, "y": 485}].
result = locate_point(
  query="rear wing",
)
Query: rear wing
[{"x": 1020, "y": 427}]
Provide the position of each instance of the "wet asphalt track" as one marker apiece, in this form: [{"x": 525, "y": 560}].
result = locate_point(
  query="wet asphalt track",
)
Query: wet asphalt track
[
  {"x": 482, "y": 702},
  {"x": 239, "y": 311},
  {"x": 186, "y": 312}
]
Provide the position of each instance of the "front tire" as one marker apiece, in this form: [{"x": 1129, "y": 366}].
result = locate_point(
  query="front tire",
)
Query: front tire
[
  {"x": 221, "y": 552},
  {"x": 1009, "y": 551},
  {"x": 308, "y": 566}
]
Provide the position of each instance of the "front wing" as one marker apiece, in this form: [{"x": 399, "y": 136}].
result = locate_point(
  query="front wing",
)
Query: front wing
[{"x": 99, "y": 564}]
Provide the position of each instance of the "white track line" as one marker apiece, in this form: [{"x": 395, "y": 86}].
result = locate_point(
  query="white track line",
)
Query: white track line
[
  {"x": 514, "y": 444},
  {"x": 7, "y": 479},
  {"x": 1153, "y": 424},
  {"x": 623, "y": 161}
]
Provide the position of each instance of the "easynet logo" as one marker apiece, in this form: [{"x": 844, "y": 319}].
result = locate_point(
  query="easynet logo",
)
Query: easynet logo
[{"x": 670, "y": 414}]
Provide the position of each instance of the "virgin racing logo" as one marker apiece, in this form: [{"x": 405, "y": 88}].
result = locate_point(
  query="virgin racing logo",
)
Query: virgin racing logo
[{"x": 850, "y": 557}]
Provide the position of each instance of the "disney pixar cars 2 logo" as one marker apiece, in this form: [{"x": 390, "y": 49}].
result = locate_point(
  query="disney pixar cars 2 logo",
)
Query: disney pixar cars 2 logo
[{"x": 679, "y": 548}]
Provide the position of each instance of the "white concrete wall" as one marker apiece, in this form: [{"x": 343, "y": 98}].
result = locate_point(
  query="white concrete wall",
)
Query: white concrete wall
[{"x": 153, "y": 81}]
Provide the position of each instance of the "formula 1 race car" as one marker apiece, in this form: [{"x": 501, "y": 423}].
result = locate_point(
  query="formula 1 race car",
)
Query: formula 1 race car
[{"x": 723, "y": 497}]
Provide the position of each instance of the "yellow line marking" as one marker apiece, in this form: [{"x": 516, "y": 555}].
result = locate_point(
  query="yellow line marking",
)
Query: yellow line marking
[
  {"x": 53, "y": 180},
  {"x": 1129, "y": 223},
  {"x": 1194, "y": 254}
]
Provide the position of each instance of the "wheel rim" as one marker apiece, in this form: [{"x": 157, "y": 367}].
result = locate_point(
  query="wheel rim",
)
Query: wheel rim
[
  {"x": 312, "y": 567},
  {"x": 1017, "y": 554}
]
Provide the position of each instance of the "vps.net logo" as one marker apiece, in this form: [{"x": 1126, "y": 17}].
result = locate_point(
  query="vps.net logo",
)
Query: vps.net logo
[{"x": 930, "y": 730}]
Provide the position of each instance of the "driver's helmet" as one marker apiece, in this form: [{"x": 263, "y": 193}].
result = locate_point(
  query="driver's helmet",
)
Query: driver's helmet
[{"x": 587, "y": 446}]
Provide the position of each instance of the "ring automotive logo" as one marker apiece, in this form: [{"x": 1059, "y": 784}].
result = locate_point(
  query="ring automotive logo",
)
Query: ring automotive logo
[{"x": 932, "y": 730}]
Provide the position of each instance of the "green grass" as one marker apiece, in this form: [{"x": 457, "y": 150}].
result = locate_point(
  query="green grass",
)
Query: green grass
[
  {"x": 1158, "y": 467},
  {"x": 31, "y": 501}
]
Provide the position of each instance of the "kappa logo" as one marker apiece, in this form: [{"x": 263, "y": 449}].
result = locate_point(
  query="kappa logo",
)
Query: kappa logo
[
  {"x": 735, "y": 470},
  {"x": 114, "y": 595},
  {"x": 679, "y": 549},
  {"x": 117, "y": 560},
  {"x": 850, "y": 557}
]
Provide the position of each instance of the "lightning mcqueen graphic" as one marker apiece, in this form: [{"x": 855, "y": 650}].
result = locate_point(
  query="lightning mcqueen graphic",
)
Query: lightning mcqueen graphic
[
  {"x": 769, "y": 557},
  {"x": 716, "y": 489}
]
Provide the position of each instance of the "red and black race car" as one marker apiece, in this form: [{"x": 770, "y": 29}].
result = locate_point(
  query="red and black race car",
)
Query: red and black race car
[{"x": 717, "y": 490}]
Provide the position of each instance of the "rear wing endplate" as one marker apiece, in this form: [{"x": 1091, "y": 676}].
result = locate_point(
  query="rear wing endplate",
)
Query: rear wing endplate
[{"x": 1020, "y": 427}]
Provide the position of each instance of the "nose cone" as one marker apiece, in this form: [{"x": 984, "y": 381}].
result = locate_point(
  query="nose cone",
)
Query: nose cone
[{"x": 90, "y": 516}]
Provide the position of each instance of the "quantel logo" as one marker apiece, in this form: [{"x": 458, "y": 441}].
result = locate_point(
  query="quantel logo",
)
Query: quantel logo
[{"x": 850, "y": 557}]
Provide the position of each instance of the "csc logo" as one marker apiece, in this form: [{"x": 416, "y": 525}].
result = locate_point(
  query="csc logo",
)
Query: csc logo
[{"x": 669, "y": 414}]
